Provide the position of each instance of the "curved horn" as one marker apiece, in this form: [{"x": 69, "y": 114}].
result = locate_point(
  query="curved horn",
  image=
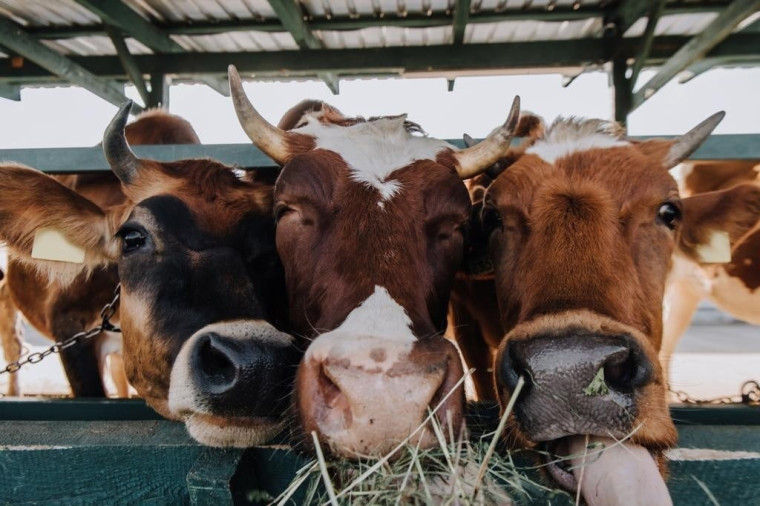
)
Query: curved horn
[
  {"x": 124, "y": 163},
  {"x": 268, "y": 138},
  {"x": 468, "y": 140},
  {"x": 476, "y": 159},
  {"x": 691, "y": 140}
]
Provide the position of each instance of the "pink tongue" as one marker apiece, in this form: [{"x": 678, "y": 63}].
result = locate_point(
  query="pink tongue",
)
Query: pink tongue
[{"x": 623, "y": 473}]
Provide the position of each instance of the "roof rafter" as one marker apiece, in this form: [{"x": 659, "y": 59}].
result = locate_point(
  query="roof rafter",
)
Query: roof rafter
[
  {"x": 627, "y": 13},
  {"x": 655, "y": 11},
  {"x": 391, "y": 60},
  {"x": 118, "y": 14},
  {"x": 16, "y": 39},
  {"x": 290, "y": 14},
  {"x": 461, "y": 16},
  {"x": 129, "y": 64},
  {"x": 720, "y": 28}
]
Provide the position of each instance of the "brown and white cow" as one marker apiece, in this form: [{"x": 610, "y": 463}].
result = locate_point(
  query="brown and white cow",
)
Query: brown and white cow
[
  {"x": 581, "y": 229},
  {"x": 733, "y": 286},
  {"x": 371, "y": 221},
  {"x": 201, "y": 283},
  {"x": 59, "y": 310}
]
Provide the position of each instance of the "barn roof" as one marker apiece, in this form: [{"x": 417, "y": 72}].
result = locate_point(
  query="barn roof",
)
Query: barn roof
[{"x": 100, "y": 44}]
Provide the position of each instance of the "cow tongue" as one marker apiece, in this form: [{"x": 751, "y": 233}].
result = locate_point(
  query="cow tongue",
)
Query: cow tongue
[{"x": 624, "y": 473}]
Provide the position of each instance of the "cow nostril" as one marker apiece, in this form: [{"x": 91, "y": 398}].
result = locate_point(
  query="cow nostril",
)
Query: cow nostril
[
  {"x": 511, "y": 368},
  {"x": 215, "y": 363},
  {"x": 625, "y": 370}
]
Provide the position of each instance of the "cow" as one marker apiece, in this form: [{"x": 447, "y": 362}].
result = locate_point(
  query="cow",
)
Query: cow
[
  {"x": 733, "y": 286},
  {"x": 580, "y": 229},
  {"x": 59, "y": 310},
  {"x": 371, "y": 223},
  {"x": 203, "y": 308}
]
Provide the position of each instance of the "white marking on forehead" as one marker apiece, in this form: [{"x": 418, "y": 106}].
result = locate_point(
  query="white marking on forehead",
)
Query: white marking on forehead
[
  {"x": 553, "y": 151},
  {"x": 573, "y": 135},
  {"x": 374, "y": 149}
]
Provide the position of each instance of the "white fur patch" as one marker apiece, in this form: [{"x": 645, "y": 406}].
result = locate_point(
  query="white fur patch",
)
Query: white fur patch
[
  {"x": 378, "y": 322},
  {"x": 552, "y": 150},
  {"x": 717, "y": 250},
  {"x": 373, "y": 150}
]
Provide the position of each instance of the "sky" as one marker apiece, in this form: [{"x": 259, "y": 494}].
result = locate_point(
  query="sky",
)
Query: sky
[{"x": 69, "y": 116}]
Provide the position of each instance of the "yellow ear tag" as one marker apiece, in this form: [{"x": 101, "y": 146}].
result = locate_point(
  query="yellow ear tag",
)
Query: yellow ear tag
[
  {"x": 50, "y": 244},
  {"x": 717, "y": 250}
]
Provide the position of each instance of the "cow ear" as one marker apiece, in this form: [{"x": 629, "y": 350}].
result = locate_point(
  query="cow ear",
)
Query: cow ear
[
  {"x": 715, "y": 221},
  {"x": 50, "y": 226}
]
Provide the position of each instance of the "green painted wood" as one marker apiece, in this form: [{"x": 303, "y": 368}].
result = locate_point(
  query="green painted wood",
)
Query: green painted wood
[
  {"x": 461, "y": 17},
  {"x": 655, "y": 12},
  {"x": 41, "y": 409},
  {"x": 129, "y": 64},
  {"x": 626, "y": 13},
  {"x": 96, "y": 462},
  {"x": 389, "y": 60},
  {"x": 209, "y": 481},
  {"x": 292, "y": 19},
  {"x": 10, "y": 91},
  {"x": 697, "y": 47},
  {"x": 68, "y": 160},
  {"x": 15, "y": 38},
  {"x": 116, "y": 13}
]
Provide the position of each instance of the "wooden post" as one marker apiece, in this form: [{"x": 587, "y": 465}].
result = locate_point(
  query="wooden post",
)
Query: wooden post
[
  {"x": 159, "y": 91},
  {"x": 622, "y": 90}
]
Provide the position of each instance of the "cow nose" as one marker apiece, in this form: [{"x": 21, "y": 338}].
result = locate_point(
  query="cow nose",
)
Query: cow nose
[
  {"x": 593, "y": 377},
  {"x": 242, "y": 376},
  {"x": 369, "y": 400}
]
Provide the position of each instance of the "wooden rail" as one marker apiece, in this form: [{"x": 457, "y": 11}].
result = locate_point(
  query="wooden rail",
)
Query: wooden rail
[{"x": 69, "y": 160}]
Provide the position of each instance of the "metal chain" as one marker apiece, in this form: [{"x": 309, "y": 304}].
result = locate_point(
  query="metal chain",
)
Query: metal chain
[
  {"x": 749, "y": 395},
  {"x": 105, "y": 325}
]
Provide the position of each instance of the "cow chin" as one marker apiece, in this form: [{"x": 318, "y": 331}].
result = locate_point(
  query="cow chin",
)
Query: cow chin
[
  {"x": 592, "y": 384},
  {"x": 231, "y": 382}
]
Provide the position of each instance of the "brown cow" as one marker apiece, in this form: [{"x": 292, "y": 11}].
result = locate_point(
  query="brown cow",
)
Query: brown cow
[
  {"x": 200, "y": 280},
  {"x": 581, "y": 229},
  {"x": 733, "y": 286},
  {"x": 59, "y": 310},
  {"x": 370, "y": 229}
]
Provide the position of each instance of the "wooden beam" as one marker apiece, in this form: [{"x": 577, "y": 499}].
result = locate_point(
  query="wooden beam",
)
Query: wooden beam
[
  {"x": 655, "y": 12},
  {"x": 461, "y": 16},
  {"x": 159, "y": 91},
  {"x": 10, "y": 91},
  {"x": 129, "y": 64},
  {"x": 292, "y": 18},
  {"x": 626, "y": 14},
  {"x": 387, "y": 61},
  {"x": 332, "y": 80},
  {"x": 116, "y": 13},
  {"x": 622, "y": 90},
  {"x": 720, "y": 28},
  {"x": 13, "y": 37}
]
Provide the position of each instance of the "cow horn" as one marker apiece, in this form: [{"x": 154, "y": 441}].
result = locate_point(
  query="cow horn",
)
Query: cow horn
[
  {"x": 122, "y": 160},
  {"x": 691, "y": 140},
  {"x": 476, "y": 159},
  {"x": 267, "y": 137}
]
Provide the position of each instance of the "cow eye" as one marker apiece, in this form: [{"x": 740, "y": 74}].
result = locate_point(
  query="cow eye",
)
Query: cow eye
[
  {"x": 669, "y": 214},
  {"x": 491, "y": 220},
  {"x": 131, "y": 240}
]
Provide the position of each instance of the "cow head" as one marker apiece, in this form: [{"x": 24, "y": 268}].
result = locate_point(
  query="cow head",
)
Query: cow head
[
  {"x": 581, "y": 229},
  {"x": 370, "y": 227},
  {"x": 201, "y": 284}
]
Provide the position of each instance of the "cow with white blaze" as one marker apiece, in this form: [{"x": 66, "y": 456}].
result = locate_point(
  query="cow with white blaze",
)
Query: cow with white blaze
[
  {"x": 371, "y": 220},
  {"x": 202, "y": 288},
  {"x": 581, "y": 228}
]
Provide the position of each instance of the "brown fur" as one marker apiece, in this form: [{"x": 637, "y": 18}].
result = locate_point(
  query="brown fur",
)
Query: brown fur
[
  {"x": 50, "y": 304},
  {"x": 580, "y": 245}
]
